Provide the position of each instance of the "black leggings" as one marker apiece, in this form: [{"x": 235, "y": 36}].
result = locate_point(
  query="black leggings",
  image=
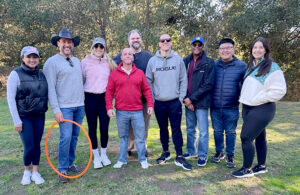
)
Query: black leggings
[
  {"x": 94, "y": 108},
  {"x": 256, "y": 118},
  {"x": 31, "y": 135}
]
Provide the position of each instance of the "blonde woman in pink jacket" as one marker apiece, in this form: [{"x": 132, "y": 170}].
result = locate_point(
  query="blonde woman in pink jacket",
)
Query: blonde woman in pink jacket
[{"x": 96, "y": 68}]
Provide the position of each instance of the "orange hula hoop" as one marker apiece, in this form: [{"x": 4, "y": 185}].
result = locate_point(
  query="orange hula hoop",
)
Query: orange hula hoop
[{"x": 47, "y": 155}]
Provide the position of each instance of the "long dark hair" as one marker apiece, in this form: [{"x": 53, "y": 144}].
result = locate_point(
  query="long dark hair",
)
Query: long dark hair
[{"x": 265, "y": 65}]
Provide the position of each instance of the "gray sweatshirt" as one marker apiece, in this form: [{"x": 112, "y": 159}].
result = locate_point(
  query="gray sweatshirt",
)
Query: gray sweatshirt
[
  {"x": 167, "y": 77},
  {"x": 65, "y": 83},
  {"x": 13, "y": 82}
]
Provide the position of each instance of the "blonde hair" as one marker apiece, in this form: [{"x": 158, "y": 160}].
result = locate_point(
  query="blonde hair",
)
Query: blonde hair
[{"x": 111, "y": 64}]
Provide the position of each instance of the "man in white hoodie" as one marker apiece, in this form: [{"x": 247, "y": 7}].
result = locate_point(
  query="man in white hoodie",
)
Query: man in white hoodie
[{"x": 166, "y": 75}]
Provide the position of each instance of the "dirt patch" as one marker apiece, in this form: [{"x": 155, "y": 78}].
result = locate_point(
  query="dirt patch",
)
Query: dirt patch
[
  {"x": 198, "y": 189},
  {"x": 170, "y": 186}
]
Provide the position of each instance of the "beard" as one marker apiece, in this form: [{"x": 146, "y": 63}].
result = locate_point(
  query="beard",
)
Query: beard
[
  {"x": 67, "y": 50},
  {"x": 136, "y": 46}
]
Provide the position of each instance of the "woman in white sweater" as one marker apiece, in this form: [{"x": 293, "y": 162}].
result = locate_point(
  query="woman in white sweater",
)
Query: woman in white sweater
[{"x": 264, "y": 84}]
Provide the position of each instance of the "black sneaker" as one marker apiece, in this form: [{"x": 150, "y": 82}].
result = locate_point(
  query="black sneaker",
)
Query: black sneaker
[
  {"x": 74, "y": 169},
  {"x": 163, "y": 158},
  {"x": 63, "y": 179},
  {"x": 181, "y": 162},
  {"x": 230, "y": 162},
  {"x": 129, "y": 152},
  {"x": 218, "y": 157},
  {"x": 243, "y": 172},
  {"x": 259, "y": 169}
]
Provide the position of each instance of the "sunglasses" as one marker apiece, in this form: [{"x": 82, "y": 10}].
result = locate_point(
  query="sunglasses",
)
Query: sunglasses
[
  {"x": 197, "y": 45},
  {"x": 70, "y": 62},
  {"x": 99, "y": 45},
  {"x": 165, "y": 40}
]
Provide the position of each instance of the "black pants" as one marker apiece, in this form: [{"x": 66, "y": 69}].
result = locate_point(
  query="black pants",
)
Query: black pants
[
  {"x": 31, "y": 135},
  {"x": 171, "y": 110},
  {"x": 94, "y": 109},
  {"x": 256, "y": 118}
]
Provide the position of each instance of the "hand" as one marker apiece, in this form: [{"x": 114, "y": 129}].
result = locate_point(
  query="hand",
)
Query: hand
[
  {"x": 175, "y": 53},
  {"x": 191, "y": 107},
  {"x": 150, "y": 110},
  {"x": 59, "y": 117},
  {"x": 111, "y": 113},
  {"x": 187, "y": 101},
  {"x": 18, "y": 127}
]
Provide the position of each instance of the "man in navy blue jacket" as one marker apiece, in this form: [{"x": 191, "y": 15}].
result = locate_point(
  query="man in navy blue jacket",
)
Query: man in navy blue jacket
[
  {"x": 229, "y": 72},
  {"x": 200, "y": 71}
]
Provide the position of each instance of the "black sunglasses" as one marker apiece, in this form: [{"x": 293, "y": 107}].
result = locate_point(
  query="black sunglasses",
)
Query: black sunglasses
[
  {"x": 165, "y": 40},
  {"x": 99, "y": 45},
  {"x": 195, "y": 45},
  {"x": 70, "y": 62}
]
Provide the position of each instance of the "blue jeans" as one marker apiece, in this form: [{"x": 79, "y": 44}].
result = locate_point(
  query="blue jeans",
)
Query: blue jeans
[
  {"x": 68, "y": 137},
  {"x": 225, "y": 119},
  {"x": 192, "y": 117},
  {"x": 136, "y": 119}
]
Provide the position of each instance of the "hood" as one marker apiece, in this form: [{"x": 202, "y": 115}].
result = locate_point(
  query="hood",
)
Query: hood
[{"x": 171, "y": 54}]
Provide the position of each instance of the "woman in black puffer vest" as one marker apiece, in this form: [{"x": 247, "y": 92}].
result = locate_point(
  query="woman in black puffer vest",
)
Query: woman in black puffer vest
[{"x": 27, "y": 97}]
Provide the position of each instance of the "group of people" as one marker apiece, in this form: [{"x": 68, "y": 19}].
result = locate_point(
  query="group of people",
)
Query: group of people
[{"x": 142, "y": 84}]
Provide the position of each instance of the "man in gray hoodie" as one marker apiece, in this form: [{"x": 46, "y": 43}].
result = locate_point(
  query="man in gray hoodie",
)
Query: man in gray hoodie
[{"x": 166, "y": 75}]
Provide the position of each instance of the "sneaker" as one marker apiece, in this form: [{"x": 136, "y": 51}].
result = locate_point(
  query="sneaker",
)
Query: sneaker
[
  {"x": 105, "y": 160},
  {"x": 97, "y": 163},
  {"x": 26, "y": 178},
  {"x": 37, "y": 178},
  {"x": 181, "y": 162},
  {"x": 163, "y": 158},
  {"x": 230, "y": 162},
  {"x": 144, "y": 164},
  {"x": 74, "y": 169},
  {"x": 189, "y": 156},
  {"x": 119, "y": 164},
  {"x": 218, "y": 157},
  {"x": 63, "y": 179},
  {"x": 129, "y": 152},
  {"x": 259, "y": 169},
  {"x": 202, "y": 162},
  {"x": 243, "y": 172}
]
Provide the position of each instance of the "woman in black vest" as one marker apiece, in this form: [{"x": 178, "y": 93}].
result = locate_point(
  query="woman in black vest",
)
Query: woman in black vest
[{"x": 27, "y": 97}]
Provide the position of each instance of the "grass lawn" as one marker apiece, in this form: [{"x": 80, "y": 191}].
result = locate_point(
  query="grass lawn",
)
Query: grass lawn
[{"x": 283, "y": 162}]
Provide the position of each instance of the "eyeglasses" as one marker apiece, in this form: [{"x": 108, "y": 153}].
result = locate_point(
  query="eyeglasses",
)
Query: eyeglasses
[
  {"x": 197, "y": 45},
  {"x": 70, "y": 62},
  {"x": 99, "y": 45},
  {"x": 165, "y": 40},
  {"x": 225, "y": 48}
]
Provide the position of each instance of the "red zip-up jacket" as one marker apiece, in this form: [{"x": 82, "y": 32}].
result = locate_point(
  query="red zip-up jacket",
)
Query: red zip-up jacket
[{"x": 128, "y": 89}]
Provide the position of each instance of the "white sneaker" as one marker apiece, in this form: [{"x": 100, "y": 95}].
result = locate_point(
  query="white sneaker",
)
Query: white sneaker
[
  {"x": 119, "y": 164},
  {"x": 144, "y": 164},
  {"x": 105, "y": 160},
  {"x": 26, "y": 178},
  {"x": 37, "y": 178},
  {"x": 97, "y": 163}
]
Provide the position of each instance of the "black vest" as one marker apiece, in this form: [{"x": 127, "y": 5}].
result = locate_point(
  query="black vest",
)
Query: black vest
[{"x": 32, "y": 93}]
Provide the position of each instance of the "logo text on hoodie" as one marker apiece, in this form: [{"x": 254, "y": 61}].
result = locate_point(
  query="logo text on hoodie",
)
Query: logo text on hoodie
[{"x": 166, "y": 68}]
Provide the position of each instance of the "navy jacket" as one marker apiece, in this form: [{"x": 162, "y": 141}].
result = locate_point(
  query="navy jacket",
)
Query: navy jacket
[
  {"x": 202, "y": 82},
  {"x": 228, "y": 82}
]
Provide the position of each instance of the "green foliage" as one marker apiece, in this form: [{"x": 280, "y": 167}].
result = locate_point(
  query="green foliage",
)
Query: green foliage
[{"x": 31, "y": 22}]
